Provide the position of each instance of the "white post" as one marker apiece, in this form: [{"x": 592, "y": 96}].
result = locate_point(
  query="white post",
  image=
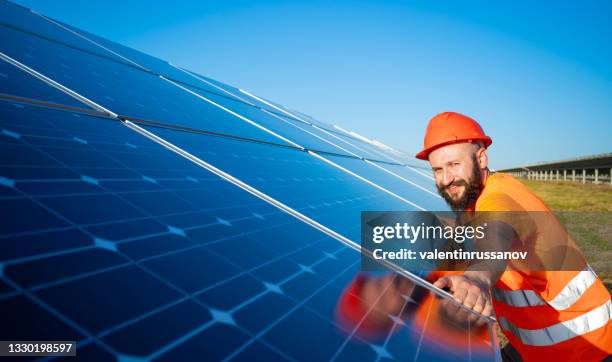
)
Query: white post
[
  {"x": 564, "y": 175},
  {"x": 557, "y": 175},
  {"x": 596, "y": 176},
  {"x": 583, "y": 176},
  {"x": 574, "y": 175}
]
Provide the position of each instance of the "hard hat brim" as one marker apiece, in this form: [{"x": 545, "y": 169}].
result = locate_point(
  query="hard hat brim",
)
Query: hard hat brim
[{"x": 424, "y": 154}]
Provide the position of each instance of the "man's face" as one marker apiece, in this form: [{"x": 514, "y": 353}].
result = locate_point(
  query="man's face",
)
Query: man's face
[{"x": 457, "y": 174}]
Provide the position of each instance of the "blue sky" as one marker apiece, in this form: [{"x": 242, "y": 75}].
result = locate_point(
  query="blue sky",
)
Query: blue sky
[{"x": 536, "y": 75}]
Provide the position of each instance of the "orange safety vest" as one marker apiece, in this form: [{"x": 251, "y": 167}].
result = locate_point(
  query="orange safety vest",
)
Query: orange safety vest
[{"x": 547, "y": 315}]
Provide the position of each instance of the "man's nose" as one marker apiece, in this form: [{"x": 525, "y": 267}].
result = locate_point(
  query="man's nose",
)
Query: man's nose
[{"x": 447, "y": 177}]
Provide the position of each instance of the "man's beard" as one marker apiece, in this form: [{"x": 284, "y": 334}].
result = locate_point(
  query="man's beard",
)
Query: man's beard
[{"x": 471, "y": 192}]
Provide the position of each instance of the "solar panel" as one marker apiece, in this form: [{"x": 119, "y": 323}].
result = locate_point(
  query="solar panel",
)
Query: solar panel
[
  {"x": 196, "y": 237},
  {"x": 18, "y": 85},
  {"x": 124, "y": 89},
  {"x": 19, "y": 18}
]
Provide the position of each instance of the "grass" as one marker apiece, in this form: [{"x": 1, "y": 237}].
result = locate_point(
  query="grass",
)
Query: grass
[{"x": 569, "y": 196}]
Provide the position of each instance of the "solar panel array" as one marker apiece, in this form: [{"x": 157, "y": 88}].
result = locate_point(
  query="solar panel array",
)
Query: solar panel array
[{"x": 151, "y": 213}]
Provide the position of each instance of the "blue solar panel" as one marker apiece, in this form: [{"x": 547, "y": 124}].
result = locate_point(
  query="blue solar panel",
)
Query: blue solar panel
[
  {"x": 403, "y": 187},
  {"x": 279, "y": 125},
  {"x": 415, "y": 175},
  {"x": 17, "y": 17},
  {"x": 299, "y": 180},
  {"x": 16, "y": 84},
  {"x": 123, "y": 89},
  {"x": 154, "y": 65},
  {"x": 154, "y": 255},
  {"x": 136, "y": 252}
]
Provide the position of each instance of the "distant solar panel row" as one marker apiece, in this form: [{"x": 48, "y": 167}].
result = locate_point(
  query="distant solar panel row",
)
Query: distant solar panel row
[{"x": 112, "y": 240}]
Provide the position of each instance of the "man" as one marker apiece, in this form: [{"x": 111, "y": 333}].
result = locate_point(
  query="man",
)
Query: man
[{"x": 550, "y": 315}]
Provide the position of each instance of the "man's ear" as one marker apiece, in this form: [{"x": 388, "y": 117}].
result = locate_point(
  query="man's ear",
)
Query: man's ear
[{"x": 483, "y": 158}]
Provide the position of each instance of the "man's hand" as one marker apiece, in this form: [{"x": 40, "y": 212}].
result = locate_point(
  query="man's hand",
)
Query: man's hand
[{"x": 468, "y": 291}]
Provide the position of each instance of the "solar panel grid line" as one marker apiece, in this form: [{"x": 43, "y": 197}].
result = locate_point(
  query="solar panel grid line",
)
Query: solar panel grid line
[
  {"x": 273, "y": 106},
  {"x": 395, "y": 326},
  {"x": 412, "y": 168},
  {"x": 56, "y": 85},
  {"x": 272, "y": 325},
  {"x": 211, "y": 84},
  {"x": 232, "y": 113},
  {"x": 89, "y": 40},
  {"x": 17, "y": 99},
  {"x": 373, "y": 148},
  {"x": 366, "y": 314},
  {"x": 139, "y": 264},
  {"x": 47, "y": 38},
  {"x": 83, "y": 37},
  {"x": 241, "y": 184},
  {"x": 39, "y": 301},
  {"x": 106, "y": 180},
  {"x": 299, "y": 119},
  {"x": 131, "y": 61},
  {"x": 232, "y": 311},
  {"x": 402, "y": 178},
  {"x": 50, "y": 309},
  {"x": 334, "y": 164},
  {"x": 113, "y": 329},
  {"x": 168, "y": 347},
  {"x": 361, "y": 157},
  {"x": 204, "y": 132},
  {"x": 312, "y": 134},
  {"x": 391, "y": 160},
  {"x": 6, "y": 236},
  {"x": 232, "y": 91},
  {"x": 292, "y": 115},
  {"x": 355, "y": 146},
  {"x": 422, "y": 336}
]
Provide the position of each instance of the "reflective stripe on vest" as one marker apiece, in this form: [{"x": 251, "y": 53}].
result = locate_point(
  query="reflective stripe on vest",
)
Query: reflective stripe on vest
[
  {"x": 574, "y": 289},
  {"x": 517, "y": 298},
  {"x": 569, "y": 295},
  {"x": 563, "y": 331}
]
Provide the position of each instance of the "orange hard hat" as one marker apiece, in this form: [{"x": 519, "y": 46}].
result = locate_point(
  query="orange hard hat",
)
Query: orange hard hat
[{"x": 451, "y": 127}]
